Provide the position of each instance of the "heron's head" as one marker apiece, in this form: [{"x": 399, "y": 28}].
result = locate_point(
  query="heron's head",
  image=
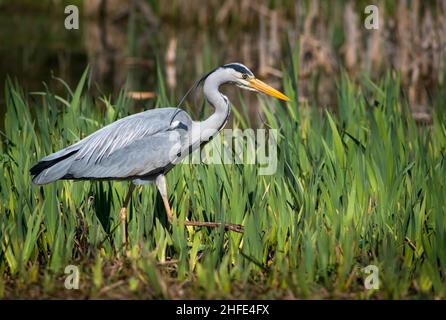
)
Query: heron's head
[{"x": 241, "y": 76}]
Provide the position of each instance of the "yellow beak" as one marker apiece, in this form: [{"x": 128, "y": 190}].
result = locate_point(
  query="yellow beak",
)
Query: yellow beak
[{"x": 263, "y": 87}]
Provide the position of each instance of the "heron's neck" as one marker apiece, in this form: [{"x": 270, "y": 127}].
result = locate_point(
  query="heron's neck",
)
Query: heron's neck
[{"x": 221, "y": 106}]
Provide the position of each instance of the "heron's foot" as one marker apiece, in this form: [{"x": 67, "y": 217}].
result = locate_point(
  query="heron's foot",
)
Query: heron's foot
[{"x": 228, "y": 226}]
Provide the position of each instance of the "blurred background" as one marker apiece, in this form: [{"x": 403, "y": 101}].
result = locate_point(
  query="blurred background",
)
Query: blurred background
[{"x": 123, "y": 41}]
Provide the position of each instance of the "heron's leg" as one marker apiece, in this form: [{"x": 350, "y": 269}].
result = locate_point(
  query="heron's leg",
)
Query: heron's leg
[
  {"x": 162, "y": 187},
  {"x": 124, "y": 212}
]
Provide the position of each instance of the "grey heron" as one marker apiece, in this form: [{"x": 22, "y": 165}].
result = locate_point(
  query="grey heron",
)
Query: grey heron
[{"x": 143, "y": 147}]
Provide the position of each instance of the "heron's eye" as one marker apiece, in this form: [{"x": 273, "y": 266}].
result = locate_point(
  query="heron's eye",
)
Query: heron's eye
[{"x": 245, "y": 76}]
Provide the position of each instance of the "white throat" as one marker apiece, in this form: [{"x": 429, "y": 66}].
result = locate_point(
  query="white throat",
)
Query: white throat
[{"x": 212, "y": 125}]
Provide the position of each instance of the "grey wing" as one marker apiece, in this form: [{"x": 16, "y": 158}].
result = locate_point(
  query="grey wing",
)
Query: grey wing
[{"x": 134, "y": 146}]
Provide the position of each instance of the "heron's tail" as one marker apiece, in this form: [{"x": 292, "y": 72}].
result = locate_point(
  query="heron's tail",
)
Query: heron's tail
[{"x": 52, "y": 167}]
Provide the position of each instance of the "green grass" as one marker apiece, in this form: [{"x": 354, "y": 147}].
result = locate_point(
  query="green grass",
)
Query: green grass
[{"x": 363, "y": 185}]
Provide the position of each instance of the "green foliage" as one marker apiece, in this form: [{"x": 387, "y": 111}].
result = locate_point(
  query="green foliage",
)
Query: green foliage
[{"x": 361, "y": 186}]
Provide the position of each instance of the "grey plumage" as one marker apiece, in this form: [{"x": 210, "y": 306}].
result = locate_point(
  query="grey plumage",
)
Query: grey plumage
[{"x": 138, "y": 146}]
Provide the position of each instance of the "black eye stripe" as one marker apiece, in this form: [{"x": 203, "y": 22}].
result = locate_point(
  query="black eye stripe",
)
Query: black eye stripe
[{"x": 238, "y": 68}]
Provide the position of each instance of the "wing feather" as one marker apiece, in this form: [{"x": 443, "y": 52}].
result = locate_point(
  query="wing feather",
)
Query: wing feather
[
  {"x": 128, "y": 147},
  {"x": 121, "y": 133},
  {"x": 134, "y": 146}
]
